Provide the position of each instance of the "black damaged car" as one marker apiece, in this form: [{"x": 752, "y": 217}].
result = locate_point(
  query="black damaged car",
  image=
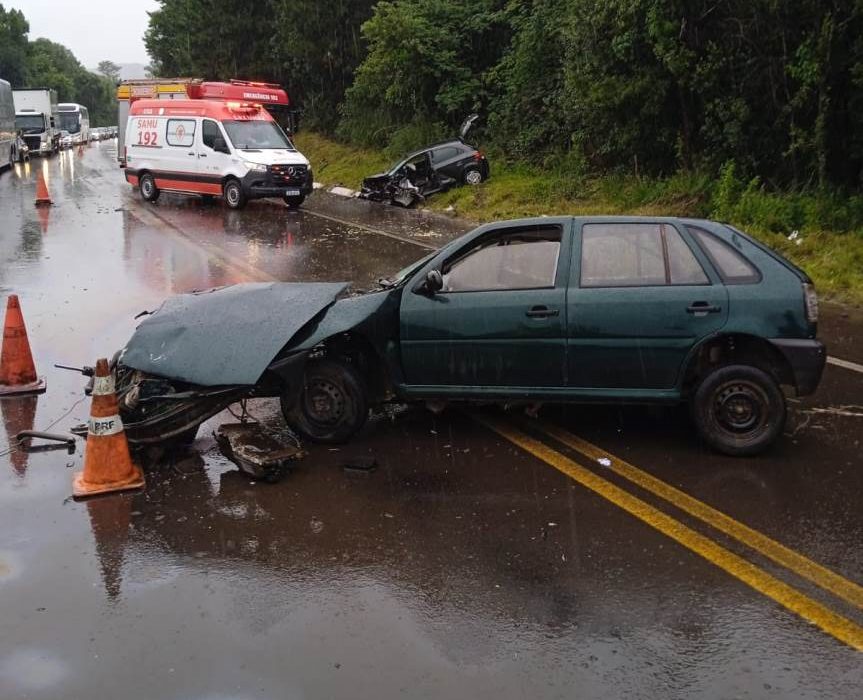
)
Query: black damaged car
[{"x": 435, "y": 168}]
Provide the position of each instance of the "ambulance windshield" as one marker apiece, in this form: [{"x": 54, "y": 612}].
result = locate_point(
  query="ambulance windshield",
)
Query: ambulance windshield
[{"x": 256, "y": 135}]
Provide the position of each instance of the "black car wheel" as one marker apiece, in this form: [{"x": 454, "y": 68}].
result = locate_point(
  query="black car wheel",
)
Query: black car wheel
[
  {"x": 331, "y": 406},
  {"x": 473, "y": 176},
  {"x": 147, "y": 185},
  {"x": 294, "y": 202},
  {"x": 233, "y": 193},
  {"x": 739, "y": 410}
]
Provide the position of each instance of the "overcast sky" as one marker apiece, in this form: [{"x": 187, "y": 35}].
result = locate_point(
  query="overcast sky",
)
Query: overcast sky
[{"x": 94, "y": 30}]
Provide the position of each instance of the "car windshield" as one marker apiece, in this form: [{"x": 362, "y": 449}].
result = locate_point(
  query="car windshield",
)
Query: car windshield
[
  {"x": 256, "y": 135},
  {"x": 70, "y": 122},
  {"x": 30, "y": 123},
  {"x": 415, "y": 159}
]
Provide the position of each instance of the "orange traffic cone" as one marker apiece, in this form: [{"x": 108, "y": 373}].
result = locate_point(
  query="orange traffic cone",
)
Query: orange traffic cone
[
  {"x": 107, "y": 463},
  {"x": 17, "y": 371},
  {"x": 42, "y": 196}
]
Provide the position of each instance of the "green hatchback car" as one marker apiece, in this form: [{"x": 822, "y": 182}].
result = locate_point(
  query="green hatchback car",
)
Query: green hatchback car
[{"x": 552, "y": 309}]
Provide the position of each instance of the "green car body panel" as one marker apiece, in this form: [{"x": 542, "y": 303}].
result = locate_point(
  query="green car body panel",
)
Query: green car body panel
[{"x": 591, "y": 343}]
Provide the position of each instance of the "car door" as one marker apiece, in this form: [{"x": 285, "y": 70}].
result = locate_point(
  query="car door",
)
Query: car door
[
  {"x": 446, "y": 160},
  {"x": 641, "y": 296},
  {"x": 500, "y": 318},
  {"x": 182, "y": 152},
  {"x": 214, "y": 160}
]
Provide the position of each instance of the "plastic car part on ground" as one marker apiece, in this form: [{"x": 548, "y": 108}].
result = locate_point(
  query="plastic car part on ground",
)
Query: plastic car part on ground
[{"x": 257, "y": 451}]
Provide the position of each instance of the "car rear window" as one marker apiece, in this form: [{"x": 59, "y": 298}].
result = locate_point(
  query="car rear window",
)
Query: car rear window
[{"x": 732, "y": 266}]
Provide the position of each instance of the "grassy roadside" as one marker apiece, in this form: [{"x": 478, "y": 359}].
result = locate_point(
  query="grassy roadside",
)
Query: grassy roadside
[{"x": 828, "y": 243}]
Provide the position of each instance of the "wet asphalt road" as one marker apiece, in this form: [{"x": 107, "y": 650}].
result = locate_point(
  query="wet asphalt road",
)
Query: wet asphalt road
[{"x": 464, "y": 566}]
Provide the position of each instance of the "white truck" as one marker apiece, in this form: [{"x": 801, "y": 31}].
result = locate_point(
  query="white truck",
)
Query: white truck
[{"x": 37, "y": 119}]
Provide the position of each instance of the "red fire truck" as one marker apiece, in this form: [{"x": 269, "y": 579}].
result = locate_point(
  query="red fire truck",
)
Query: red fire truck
[{"x": 271, "y": 96}]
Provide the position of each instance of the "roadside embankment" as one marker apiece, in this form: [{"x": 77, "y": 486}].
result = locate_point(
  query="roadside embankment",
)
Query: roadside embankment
[{"x": 823, "y": 233}]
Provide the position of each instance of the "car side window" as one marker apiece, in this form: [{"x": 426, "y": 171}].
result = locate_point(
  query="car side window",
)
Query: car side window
[
  {"x": 637, "y": 255},
  {"x": 439, "y": 155},
  {"x": 210, "y": 133},
  {"x": 683, "y": 266},
  {"x": 522, "y": 259},
  {"x": 733, "y": 268},
  {"x": 622, "y": 255}
]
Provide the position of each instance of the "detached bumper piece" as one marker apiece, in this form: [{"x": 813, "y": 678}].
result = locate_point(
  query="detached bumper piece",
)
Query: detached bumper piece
[{"x": 258, "y": 452}]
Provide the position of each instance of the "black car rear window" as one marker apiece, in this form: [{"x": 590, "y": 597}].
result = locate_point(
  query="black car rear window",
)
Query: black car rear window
[{"x": 732, "y": 266}]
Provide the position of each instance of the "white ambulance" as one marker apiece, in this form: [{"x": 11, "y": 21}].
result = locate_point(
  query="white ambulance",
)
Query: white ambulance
[{"x": 230, "y": 149}]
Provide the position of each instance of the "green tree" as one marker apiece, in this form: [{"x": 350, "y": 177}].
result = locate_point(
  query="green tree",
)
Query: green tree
[
  {"x": 427, "y": 62},
  {"x": 110, "y": 70},
  {"x": 13, "y": 46}
]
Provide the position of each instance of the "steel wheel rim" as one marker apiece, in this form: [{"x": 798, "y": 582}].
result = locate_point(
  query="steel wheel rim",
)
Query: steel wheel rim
[
  {"x": 147, "y": 187},
  {"x": 232, "y": 194},
  {"x": 325, "y": 402},
  {"x": 474, "y": 177},
  {"x": 741, "y": 408}
]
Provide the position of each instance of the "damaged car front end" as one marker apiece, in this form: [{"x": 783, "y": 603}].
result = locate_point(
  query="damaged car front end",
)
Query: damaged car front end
[
  {"x": 203, "y": 351},
  {"x": 434, "y": 168}
]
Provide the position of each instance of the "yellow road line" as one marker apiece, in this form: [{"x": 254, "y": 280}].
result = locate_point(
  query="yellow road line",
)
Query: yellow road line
[
  {"x": 809, "y": 609},
  {"x": 761, "y": 543}
]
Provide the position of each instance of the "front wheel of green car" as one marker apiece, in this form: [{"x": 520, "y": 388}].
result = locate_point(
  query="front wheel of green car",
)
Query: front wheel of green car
[
  {"x": 739, "y": 410},
  {"x": 331, "y": 405}
]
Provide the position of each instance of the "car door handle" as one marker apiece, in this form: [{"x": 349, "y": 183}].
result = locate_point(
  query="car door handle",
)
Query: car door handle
[
  {"x": 703, "y": 307},
  {"x": 202, "y": 155},
  {"x": 541, "y": 312}
]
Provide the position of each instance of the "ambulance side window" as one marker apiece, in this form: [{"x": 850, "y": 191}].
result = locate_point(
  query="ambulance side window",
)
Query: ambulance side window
[{"x": 210, "y": 133}]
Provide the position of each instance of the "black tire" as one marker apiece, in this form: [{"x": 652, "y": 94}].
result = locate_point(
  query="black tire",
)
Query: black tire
[
  {"x": 294, "y": 202},
  {"x": 739, "y": 410},
  {"x": 233, "y": 194},
  {"x": 472, "y": 176},
  {"x": 331, "y": 406},
  {"x": 147, "y": 186}
]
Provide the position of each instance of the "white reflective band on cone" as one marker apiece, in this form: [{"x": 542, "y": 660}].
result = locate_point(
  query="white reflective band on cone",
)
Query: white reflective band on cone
[
  {"x": 103, "y": 386},
  {"x": 109, "y": 425}
]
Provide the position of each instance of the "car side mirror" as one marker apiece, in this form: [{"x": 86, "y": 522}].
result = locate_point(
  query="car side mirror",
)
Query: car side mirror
[
  {"x": 220, "y": 145},
  {"x": 434, "y": 281}
]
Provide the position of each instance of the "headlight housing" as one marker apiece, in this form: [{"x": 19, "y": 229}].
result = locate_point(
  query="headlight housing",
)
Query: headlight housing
[{"x": 257, "y": 167}]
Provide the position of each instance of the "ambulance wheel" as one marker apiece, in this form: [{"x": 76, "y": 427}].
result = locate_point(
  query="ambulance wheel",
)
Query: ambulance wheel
[
  {"x": 147, "y": 185},
  {"x": 294, "y": 202},
  {"x": 233, "y": 193}
]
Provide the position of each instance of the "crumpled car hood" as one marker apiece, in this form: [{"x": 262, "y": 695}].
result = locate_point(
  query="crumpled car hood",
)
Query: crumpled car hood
[{"x": 227, "y": 335}]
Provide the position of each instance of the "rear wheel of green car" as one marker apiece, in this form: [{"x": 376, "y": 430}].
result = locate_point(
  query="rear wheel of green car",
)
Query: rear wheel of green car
[
  {"x": 739, "y": 410},
  {"x": 331, "y": 405}
]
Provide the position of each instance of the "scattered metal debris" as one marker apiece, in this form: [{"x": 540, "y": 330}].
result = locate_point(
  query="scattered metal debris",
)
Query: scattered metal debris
[
  {"x": 25, "y": 437},
  {"x": 258, "y": 452}
]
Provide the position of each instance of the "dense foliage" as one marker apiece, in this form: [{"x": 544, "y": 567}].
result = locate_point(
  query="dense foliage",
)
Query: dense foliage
[
  {"x": 43, "y": 63},
  {"x": 310, "y": 47},
  {"x": 639, "y": 86}
]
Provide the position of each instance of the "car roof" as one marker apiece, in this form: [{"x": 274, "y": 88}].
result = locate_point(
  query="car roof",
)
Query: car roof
[{"x": 440, "y": 144}]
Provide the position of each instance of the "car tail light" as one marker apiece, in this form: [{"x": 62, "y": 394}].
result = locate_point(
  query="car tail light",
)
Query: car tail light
[
  {"x": 478, "y": 156},
  {"x": 811, "y": 299}
]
